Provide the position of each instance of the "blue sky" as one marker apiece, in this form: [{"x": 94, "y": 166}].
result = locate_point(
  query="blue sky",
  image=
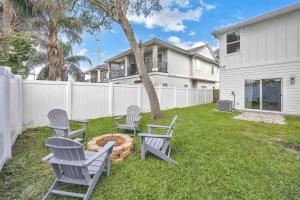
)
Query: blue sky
[{"x": 186, "y": 23}]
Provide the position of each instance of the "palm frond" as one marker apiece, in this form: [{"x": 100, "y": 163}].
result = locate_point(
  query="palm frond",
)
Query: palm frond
[
  {"x": 44, "y": 73},
  {"x": 38, "y": 59},
  {"x": 77, "y": 59},
  {"x": 72, "y": 36},
  {"x": 74, "y": 71}
]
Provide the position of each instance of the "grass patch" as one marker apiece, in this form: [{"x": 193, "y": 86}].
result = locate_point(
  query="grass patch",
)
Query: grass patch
[{"x": 219, "y": 158}]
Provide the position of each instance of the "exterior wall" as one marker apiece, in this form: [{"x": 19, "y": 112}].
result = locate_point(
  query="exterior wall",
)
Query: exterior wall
[
  {"x": 232, "y": 79},
  {"x": 178, "y": 63},
  {"x": 202, "y": 69},
  {"x": 269, "y": 49},
  {"x": 272, "y": 41},
  {"x": 206, "y": 52},
  {"x": 172, "y": 81}
]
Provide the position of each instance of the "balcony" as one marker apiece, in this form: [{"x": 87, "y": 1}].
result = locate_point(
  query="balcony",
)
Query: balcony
[{"x": 117, "y": 73}]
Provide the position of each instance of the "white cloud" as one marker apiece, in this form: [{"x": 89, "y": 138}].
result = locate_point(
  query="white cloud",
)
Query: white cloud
[
  {"x": 207, "y": 6},
  {"x": 192, "y": 33},
  {"x": 170, "y": 3},
  {"x": 184, "y": 44},
  {"x": 81, "y": 52},
  {"x": 168, "y": 19}
]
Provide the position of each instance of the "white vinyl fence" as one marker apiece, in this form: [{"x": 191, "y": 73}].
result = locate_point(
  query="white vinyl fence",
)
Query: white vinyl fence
[
  {"x": 25, "y": 104},
  {"x": 10, "y": 112},
  {"x": 93, "y": 100}
]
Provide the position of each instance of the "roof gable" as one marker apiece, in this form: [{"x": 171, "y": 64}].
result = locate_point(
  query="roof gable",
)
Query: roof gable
[{"x": 204, "y": 50}]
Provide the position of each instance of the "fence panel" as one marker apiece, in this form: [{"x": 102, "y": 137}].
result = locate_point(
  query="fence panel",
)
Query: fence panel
[
  {"x": 90, "y": 100},
  {"x": 39, "y": 97},
  {"x": 209, "y": 96},
  {"x": 193, "y": 99},
  {"x": 145, "y": 105},
  {"x": 11, "y": 110},
  {"x": 124, "y": 96},
  {"x": 167, "y": 98},
  {"x": 181, "y": 97},
  {"x": 201, "y": 96}
]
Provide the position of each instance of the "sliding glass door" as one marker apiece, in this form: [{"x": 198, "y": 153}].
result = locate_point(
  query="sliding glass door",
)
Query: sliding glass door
[
  {"x": 271, "y": 94},
  {"x": 252, "y": 94},
  {"x": 263, "y": 94}
]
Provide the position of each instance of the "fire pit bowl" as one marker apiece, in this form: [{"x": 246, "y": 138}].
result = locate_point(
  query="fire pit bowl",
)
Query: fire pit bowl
[{"x": 123, "y": 145}]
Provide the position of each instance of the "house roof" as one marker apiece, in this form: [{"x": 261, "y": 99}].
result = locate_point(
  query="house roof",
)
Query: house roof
[
  {"x": 257, "y": 19},
  {"x": 103, "y": 66},
  {"x": 164, "y": 44},
  {"x": 197, "y": 48}
]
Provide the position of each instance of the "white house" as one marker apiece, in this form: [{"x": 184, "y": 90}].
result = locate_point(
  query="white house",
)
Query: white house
[
  {"x": 260, "y": 62},
  {"x": 168, "y": 66}
]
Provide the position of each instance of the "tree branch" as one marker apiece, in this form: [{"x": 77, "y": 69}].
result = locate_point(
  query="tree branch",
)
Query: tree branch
[{"x": 105, "y": 9}]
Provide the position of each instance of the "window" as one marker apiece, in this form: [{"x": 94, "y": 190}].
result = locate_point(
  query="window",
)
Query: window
[
  {"x": 197, "y": 64},
  {"x": 165, "y": 84},
  {"x": 212, "y": 69},
  {"x": 233, "y": 42}
]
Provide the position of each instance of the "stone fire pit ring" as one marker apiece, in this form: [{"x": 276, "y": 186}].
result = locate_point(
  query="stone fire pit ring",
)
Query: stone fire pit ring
[{"x": 123, "y": 145}]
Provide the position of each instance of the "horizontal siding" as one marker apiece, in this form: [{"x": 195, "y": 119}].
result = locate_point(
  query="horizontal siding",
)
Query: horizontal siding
[
  {"x": 272, "y": 41},
  {"x": 233, "y": 80}
]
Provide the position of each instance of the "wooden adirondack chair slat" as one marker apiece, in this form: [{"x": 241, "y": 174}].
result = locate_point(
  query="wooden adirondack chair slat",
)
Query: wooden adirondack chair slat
[
  {"x": 61, "y": 127},
  {"x": 69, "y": 163},
  {"x": 132, "y": 119},
  {"x": 158, "y": 145}
]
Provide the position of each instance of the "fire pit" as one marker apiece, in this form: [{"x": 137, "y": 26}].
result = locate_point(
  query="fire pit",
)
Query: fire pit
[{"x": 123, "y": 145}]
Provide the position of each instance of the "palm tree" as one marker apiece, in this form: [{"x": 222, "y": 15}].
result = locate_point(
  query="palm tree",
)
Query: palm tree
[
  {"x": 71, "y": 64},
  {"x": 52, "y": 22}
]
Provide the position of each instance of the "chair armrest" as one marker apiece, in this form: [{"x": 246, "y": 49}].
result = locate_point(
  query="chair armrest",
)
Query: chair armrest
[
  {"x": 46, "y": 158},
  {"x": 119, "y": 117},
  {"x": 59, "y": 128},
  {"x": 105, "y": 149},
  {"x": 138, "y": 119},
  {"x": 80, "y": 121},
  {"x": 157, "y": 126},
  {"x": 154, "y": 136}
]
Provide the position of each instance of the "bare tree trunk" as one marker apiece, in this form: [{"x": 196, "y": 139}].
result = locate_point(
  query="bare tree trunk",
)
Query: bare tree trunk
[
  {"x": 54, "y": 58},
  {"x": 7, "y": 17},
  {"x": 138, "y": 54}
]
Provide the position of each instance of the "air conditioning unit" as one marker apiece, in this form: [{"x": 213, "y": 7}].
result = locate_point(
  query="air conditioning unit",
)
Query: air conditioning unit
[{"x": 224, "y": 106}]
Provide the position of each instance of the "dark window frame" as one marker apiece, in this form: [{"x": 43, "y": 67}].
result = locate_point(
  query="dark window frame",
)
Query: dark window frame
[{"x": 234, "y": 42}]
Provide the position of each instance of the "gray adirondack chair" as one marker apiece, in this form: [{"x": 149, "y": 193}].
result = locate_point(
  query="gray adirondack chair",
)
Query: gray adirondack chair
[
  {"x": 133, "y": 118},
  {"x": 74, "y": 166},
  {"x": 60, "y": 125},
  {"x": 158, "y": 145}
]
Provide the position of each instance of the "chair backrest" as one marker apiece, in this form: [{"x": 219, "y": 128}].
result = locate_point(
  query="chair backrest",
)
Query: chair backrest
[
  {"x": 133, "y": 112},
  {"x": 171, "y": 127},
  {"x": 67, "y": 154},
  {"x": 59, "y": 118}
]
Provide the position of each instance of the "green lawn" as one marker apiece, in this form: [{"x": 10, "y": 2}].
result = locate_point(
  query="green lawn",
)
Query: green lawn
[{"x": 219, "y": 158}]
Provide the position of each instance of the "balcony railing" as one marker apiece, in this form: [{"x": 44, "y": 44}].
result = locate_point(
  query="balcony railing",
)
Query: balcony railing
[
  {"x": 162, "y": 67},
  {"x": 117, "y": 73}
]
